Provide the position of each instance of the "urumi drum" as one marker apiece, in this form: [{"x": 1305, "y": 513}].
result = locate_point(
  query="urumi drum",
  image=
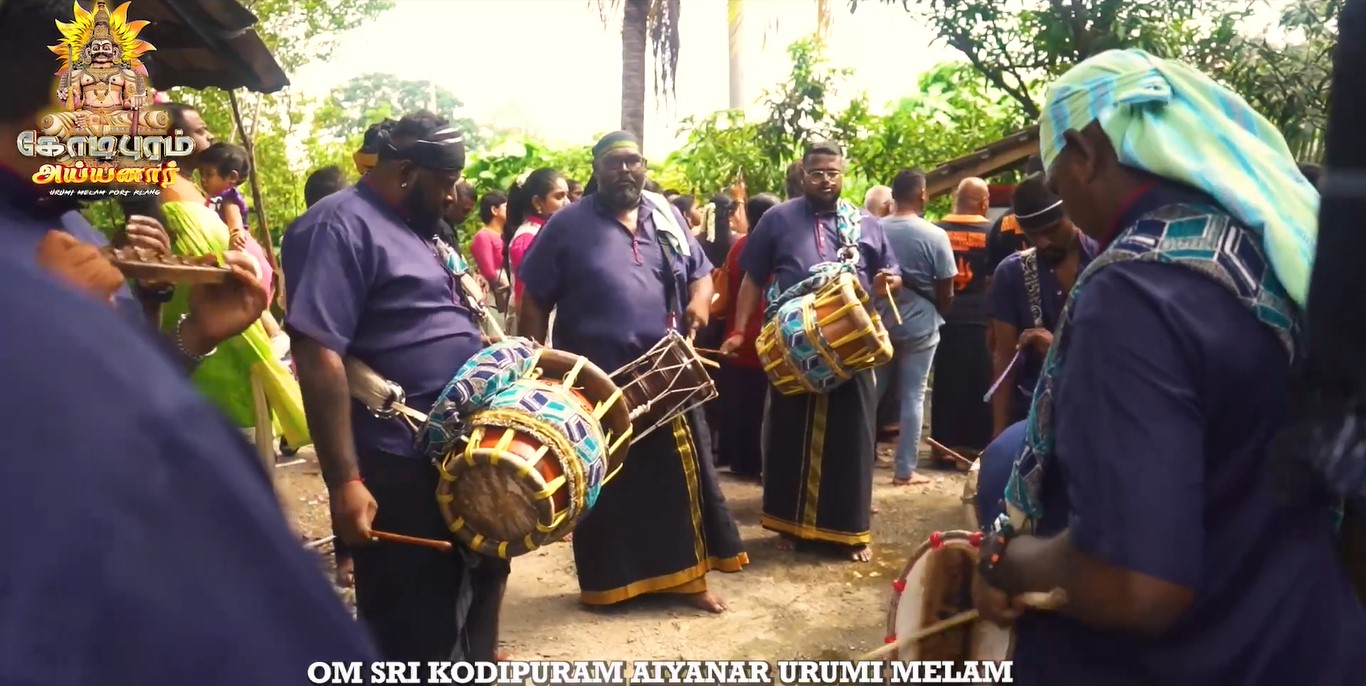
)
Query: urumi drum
[{"x": 525, "y": 436}]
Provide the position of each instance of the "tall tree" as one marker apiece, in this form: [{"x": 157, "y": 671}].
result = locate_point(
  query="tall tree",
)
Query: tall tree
[
  {"x": 735, "y": 34},
  {"x": 355, "y": 105},
  {"x": 1017, "y": 46},
  {"x": 645, "y": 23}
]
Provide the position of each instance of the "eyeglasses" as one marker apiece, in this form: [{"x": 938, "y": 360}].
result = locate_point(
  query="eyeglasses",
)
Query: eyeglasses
[
  {"x": 632, "y": 163},
  {"x": 824, "y": 174}
]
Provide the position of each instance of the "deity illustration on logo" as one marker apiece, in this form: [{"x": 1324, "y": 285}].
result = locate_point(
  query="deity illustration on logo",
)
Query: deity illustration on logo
[{"x": 102, "y": 82}]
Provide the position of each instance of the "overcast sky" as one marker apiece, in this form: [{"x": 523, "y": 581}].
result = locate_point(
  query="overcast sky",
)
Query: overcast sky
[{"x": 557, "y": 70}]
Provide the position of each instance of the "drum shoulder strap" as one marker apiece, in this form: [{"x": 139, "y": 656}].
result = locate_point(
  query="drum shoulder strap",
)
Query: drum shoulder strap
[{"x": 1029, "y": 264}]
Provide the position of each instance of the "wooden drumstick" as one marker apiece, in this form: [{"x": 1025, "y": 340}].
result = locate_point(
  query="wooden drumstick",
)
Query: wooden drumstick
[
  {"x": 701, "y": 359},
  {"x": 1051, "y": 600},
  {"x": 443, "y": 546},
  {"x": 940, "y": 446},
  {"x": 896, "y": 312}
]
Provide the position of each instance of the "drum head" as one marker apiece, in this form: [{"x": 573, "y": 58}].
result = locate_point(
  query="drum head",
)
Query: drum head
[
  {"x": 936, "y": 585},
  {"x": 595, "y": 385},
  {"x": 970, "y": 495}
]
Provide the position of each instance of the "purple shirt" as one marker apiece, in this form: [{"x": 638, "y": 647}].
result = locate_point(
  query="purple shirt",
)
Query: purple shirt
[
  {"x": 1009, "y": 302},
  {"x": 142, "y": 536},
  {"x": 791, "y": 238},
  {"x": 1170, "y": 397},
  {"x": 362, "y": 283},
  {"x": 608, "y": 285}
]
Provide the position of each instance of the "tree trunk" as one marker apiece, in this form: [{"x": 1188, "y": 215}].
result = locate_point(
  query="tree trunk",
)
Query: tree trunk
[
  {"x": 635, "y": 28},
  {"x": 736, "y": 24},
  {"x": 823, "y": 19}
]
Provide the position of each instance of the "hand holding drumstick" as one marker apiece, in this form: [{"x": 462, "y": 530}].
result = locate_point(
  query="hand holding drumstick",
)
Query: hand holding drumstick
[{"x": 886, "y": 284}]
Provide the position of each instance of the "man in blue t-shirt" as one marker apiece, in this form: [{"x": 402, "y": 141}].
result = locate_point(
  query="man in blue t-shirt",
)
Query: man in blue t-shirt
[{"x": 927, "y": 270}]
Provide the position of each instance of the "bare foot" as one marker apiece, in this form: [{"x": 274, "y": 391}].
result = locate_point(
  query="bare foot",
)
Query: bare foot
[
  {"x": 861, "y": 554},
  {"x": 706, "y": 600},
  {"x": 912, "y": 480},
  {"x": 503, "y": 656},
  {"x": 785, "y": 544},
  {"x": 874, "y": 510},
  {"x": 346, "y": 573}
]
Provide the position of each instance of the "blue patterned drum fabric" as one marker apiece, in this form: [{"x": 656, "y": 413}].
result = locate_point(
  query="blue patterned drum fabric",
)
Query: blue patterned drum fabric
[
  {"x": 481, "y": 378},
  {"x": 801, "y": 349},
  {"x": 555, "y": 405}
]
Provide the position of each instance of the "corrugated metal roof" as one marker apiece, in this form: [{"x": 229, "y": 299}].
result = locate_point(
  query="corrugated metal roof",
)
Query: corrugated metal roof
[
  {"x": 203, "y": 43},
  {"x": 1007, "y": 153}
]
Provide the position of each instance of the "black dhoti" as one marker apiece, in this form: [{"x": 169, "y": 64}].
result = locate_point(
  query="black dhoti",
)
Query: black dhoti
[
  {"x": 659, "y": 525},
  {"x": 410, "y": 597},
  {"x": 741, "y": 405},
  {"x": 818, "y": 471},
  {"x": 962, "y": 374}
]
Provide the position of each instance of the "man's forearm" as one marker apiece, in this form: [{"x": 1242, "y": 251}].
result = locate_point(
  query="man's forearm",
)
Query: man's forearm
[
  {"x": 533, "y": 321},
  {"x": 327, "y": 404},
  {"x": 701, "y": 291},
  {"x": 1004, "y": 397},
  {"x": 1098, "y": 594}
]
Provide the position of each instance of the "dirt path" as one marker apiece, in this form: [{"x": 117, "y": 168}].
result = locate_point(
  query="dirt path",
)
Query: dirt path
[{"x": 783, "y": 606}]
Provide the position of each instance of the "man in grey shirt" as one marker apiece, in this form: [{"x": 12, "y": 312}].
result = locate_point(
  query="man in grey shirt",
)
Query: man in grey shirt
[{"x": 927, "y": 270}]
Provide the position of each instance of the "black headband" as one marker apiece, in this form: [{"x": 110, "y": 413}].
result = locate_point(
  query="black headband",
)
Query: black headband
[
  {"x": 441, "y": 150},
  {"x": 1043, "y": 219}
]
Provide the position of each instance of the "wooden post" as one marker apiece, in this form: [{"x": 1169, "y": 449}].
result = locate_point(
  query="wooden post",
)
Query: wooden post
[{"x": 262, "y": 231}]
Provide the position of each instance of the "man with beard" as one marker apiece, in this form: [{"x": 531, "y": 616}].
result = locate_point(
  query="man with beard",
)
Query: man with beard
[
  {"x": 621, "y": 271},
  {"x": 1144, "y": 492},
  {"x": 366, "y": 282},
  {"x": 818, "y": 463},
  {"x": 1027, "y": 294}
]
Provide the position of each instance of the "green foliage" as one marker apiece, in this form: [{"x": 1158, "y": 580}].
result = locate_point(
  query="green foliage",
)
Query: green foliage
[
  {"x": 1017, "y": 46},
  {"x": 352, "y": 107},
  {"x": 1288, "y": 80},
  {"x": 953, "y": 111}
]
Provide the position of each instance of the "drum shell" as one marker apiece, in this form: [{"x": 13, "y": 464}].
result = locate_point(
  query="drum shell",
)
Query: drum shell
[
  {"x": 840, "y": 335},
  {"x": 521, "y": 482},
  {"x": 935, "y": 585},
  {"x": 662, "y": 384}
]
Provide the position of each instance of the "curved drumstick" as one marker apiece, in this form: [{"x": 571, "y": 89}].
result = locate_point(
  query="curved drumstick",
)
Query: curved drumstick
[
  {"x": 1051, "y": 600},
  {"x": 443, "y": 546}
]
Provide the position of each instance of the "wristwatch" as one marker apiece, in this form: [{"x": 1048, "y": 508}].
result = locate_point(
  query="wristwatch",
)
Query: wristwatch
[{"x": 993, "y": 550}]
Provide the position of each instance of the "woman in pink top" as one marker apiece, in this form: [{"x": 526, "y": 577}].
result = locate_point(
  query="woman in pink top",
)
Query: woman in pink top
[
  {"x": 531, "y": 201},
  {"x": 487, "y": 245}
]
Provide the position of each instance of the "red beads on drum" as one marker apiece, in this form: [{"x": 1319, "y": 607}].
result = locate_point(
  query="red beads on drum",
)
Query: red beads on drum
[
  {"x": 976, "y": 539},
  {"x": 899, "y": 585},
  {"x": 937, "y": 539}
]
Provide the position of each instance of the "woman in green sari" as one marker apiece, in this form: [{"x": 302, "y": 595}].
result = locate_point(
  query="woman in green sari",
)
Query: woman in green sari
[{"x": 227, "y": 376}]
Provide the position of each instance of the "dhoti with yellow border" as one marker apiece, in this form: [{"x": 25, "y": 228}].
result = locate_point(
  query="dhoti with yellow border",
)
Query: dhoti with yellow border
[
  {"x": 659, "y": 526},
  {"x": 818, "y": 463}
]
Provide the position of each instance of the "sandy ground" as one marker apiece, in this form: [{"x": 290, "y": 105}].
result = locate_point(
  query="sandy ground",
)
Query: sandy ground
[{"x": 783, "y": 606}]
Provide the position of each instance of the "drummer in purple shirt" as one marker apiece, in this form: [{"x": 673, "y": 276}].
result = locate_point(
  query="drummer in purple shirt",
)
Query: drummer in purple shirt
[
  {"x": 1149, "y": 496},
  {"x": 365, "y": 282},
  {"x": 1028, "y": 290},
  {"x": 819, "y": 449},
  {"x": 621, "y": 270}
]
